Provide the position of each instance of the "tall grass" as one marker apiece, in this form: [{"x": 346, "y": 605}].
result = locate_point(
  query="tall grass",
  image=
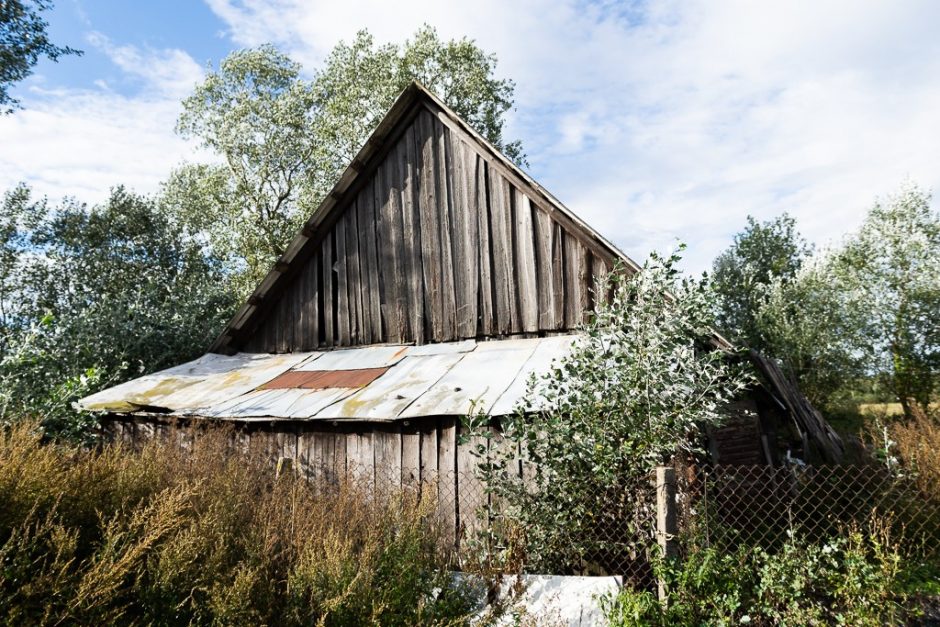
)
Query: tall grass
[{"x": 206, "y": 535}]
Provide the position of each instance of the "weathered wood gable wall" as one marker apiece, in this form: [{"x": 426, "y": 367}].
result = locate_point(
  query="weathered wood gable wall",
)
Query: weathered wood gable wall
[{"x": 436, "y": 242}]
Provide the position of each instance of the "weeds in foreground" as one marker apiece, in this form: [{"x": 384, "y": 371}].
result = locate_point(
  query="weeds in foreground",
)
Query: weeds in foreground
[
  {"x": 858, "y": 578},
  {"x": 206, "y": 535}
]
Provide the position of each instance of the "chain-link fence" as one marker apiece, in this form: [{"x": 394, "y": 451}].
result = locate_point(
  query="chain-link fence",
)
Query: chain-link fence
[
  {"x": 766, "y": 506},
  {"x": 724, "y": 506}
]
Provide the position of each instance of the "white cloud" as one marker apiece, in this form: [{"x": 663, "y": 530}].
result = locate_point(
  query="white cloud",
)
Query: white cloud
[
  {"x": 81, "y": 142},
  {"x": 167, "y": 72},
  {"x": 676, "y": 119}
]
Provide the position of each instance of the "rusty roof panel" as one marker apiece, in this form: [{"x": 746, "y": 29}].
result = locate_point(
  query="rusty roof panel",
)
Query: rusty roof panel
[
  {"x": 323, "y": 379},
  {"x": 404, "y": 383},
  {"x": 206, "y": 381}
]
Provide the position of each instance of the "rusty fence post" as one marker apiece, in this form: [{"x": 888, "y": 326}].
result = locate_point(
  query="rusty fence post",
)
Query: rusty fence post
[{"x": 667, "y": 525}]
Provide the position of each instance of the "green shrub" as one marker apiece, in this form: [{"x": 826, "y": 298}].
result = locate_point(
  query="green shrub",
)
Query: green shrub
[
  {"x": 207, "y": 536},
  {"x": 855, "y": 579}
]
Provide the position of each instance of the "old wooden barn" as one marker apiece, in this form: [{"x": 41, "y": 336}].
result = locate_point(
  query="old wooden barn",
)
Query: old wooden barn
[{"x": 435, "y": 277}]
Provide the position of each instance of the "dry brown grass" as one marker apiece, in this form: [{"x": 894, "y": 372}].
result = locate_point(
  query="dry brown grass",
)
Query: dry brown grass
[
  {"x": 917, "y": 444},
  {"x": 207, "y": 535}
]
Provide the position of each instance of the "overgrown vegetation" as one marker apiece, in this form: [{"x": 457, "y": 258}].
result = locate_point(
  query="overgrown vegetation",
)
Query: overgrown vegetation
[
  {"x": 858, "y": 578},
  {"x": 207, "y": 536},
  {"x": 636, "y": 390},
  {"x": 96, "y": 295},
  {"x": 856, "y": 322}
]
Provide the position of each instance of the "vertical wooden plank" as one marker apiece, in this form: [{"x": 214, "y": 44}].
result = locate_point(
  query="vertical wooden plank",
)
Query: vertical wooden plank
[
  {"x": 364, "y": 316},
  {"x": 471, "y": 497},
  {"x": 445, "y": 163},
  {"x": 525, "y": 262},
  {"x": 410, "y": 456},
  {"x": 365, "y": 205},
  {"x": 284, "y": 327},
  {"x": 367, "y": 459},
  {"x": 340, "y": 455},
  {"x": 354, "y": 284},
  {"x": 447, "y": 479},
  {"x": 573, "y": 276},
  {"x": 354, "y": 469},
  {"x": 388, "y": 464},
  {"x": 311, "y": 333},
  {"x": 306, "y": 454},
  {"x": 466, "y": 239},
  {"x": 507, "y": 320},
  {"x": 558, "y": 276},
  {"x": 326, "y": 272},
  {"x": 544, "y": 232},
  {"x": 388, "y": 242},
  {"x": 481, "y": 203},
  {"x": 342, "y": 284},
  {"x": 584, "y": 283},
  {"x": 599, "y": 281},
  {"x": 429, "y": 218},
  {"x": 428, "y": 453},
  {"x": 298, "y": 297},
  {"x": 402, "y": 306},
  {"x": 411, "y": 237}
]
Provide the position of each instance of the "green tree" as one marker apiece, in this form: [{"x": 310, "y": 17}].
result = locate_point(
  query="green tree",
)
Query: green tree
[
  {"x": 763, "y": 254},
  {"x": 285, "y": 140},
  {"x": 636, "y": 389},
  {"x": 97, "y": 295},
  {"x": 814, "y": 325},
  {"x": 893, "y": 264},
  {"x": 23, "y": 40}
]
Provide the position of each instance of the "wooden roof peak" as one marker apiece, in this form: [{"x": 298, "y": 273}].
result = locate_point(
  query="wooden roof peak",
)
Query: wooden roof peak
[{"x": 412, "y": 100}]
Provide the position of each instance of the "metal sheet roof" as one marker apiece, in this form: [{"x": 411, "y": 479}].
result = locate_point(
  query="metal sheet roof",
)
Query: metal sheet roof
[{"x": 413, "y": 381}]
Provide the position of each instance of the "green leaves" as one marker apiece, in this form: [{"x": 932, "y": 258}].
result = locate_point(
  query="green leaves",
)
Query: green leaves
[
  {"x": 635, "y": 391},
  {"x": 23, "y": 41},
  {"x": 95, "y": 295},
  {"x": 284, "y": 140}
]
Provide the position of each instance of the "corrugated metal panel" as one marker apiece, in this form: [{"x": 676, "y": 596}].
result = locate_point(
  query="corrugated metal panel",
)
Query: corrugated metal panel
[
  {"x": 443, "y": 348},
  {"x": 476, "y": 381},
  {"x": 387, "y": 396},
  {"x": 209, "y": 380},
  {"x": 358, "y": 358},
  {"x": 321, "y": 379},
  {"x": 540, "y": 362},
  {"x": 438, "y": 379}
]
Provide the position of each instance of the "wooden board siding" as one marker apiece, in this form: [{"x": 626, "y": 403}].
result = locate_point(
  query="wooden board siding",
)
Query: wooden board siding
[
  {"x": 423, "y": 454},
  {"x": 436, "y": 242}
]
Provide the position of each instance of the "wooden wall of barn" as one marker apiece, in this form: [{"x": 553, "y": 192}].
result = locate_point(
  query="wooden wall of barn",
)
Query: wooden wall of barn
[
  {"x": 438, "y": 243},
  {"x": 385, "y": 457}
]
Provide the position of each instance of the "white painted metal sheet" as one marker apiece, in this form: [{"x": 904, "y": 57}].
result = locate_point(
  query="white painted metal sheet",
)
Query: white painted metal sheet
[
  {"x": 436, "y": 379},
  {"x": 539, "y": 363},
  {"x": 357, "y": 358},
  {"x": 206, "y": 381},
  {"x": 443, "y": 348},
  {"x": 395, "y": 390},
  {"x": 310, "y": 404},
  {"x": 476, "y": 381}
]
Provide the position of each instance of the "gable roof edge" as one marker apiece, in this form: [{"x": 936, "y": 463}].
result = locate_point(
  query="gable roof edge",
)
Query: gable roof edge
[{"x": 405, "y": 105}]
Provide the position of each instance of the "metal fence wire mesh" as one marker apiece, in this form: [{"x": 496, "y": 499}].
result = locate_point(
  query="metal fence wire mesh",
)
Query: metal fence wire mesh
[{"x": 766, "y": 506}]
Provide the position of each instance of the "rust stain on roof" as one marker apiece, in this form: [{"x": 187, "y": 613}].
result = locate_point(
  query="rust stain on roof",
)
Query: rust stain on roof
[{"x": 323, "y": 379}]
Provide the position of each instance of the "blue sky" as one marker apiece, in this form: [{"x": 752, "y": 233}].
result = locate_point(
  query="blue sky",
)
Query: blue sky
[{"x": 655, "y": 121}]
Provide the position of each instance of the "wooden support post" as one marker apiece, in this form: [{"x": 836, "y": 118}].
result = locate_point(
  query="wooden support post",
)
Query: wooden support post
[{"x": 666, "y": 520}]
